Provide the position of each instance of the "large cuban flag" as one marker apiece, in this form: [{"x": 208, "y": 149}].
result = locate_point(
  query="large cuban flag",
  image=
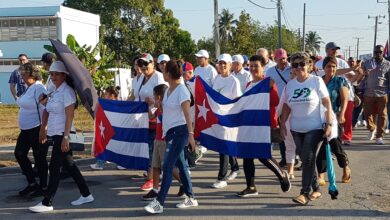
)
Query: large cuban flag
[
  {"x": 239, "y": 127},
  {"x": 121, "y": 133}
]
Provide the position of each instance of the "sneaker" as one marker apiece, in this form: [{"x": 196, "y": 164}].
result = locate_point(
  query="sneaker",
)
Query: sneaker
[
  {"x": 181, "y": 192},
  {"x": 187, "y": 202},
  {"x": 364, "y": 123},
  {"x": 248, "y": 192},
  {"x": 387, "y": 131},
  {"x": 219, "y": 184},
  {"x": 37, "y": 193},
  {"x": 203, "y": 149},
  {"x": 39, "y": 208},
  {"x": 285, "y": 183},
  {"x": 29, "y": 189},
  {"x": 148, "y": 185},
  {"x": 152, "y": 194},
  {"x": 96, "y": 166},
  {"x": 347, "y": 143},
  {"x": 83, "y": 200},
  {"x": 120, "y": 167},
  {"x": 154, "y": 207},
  {"x": 379, "y": 141},
  {"x": 233, "y": 175},
  {"x": 371, "y": 135}
]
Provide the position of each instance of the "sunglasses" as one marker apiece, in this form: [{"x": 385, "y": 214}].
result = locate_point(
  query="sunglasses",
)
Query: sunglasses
[
  {"x": 378, "y": 51},
  {"x": 142, "y": 63},
  {"x": 301, "y": 64}
]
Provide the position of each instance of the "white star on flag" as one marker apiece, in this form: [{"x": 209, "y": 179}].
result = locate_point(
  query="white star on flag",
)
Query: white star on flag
[
  {"x": 203, "y": 110},
  {"x": 102, "y": 128}
]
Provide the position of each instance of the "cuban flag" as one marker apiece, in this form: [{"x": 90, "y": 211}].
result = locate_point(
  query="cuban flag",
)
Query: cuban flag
[
  {"x": 239, "y": 127},
  {"x": 121, "y": 133}
]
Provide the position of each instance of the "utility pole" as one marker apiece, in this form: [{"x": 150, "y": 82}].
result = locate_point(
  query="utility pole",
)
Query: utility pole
[
  {"x": 376, "y": 26},
  {"x": 388, "y": 10},
  {"x": 216, "y": 34},
  {"x": 299, "y": 37},
  {"x": 357, "y": 46},
  {"x": 304, "y": 24},
  {"x": 279, "y": 6}
]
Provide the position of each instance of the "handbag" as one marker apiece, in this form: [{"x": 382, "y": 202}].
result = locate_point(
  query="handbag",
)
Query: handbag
[{"x": 76, "y": 141}]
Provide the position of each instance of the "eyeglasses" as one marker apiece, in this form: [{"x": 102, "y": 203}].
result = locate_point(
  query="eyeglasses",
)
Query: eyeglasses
[
  {"x": 142, "y": 63},
  {"x": 378, "y": 51},
  {"x": 301, "y": 64}
]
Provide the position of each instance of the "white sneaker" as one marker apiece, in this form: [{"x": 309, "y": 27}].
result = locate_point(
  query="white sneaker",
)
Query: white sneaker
[
  {"x": 364, "y": 123},
  {"x": 379, "y": 141},
  {"x": 358, "y": 124},
  {"x": 187, "y": 202},
  {"x": 387, "y": 131},
  {"x": 120, "y": 167},
  {"x": 203, "y": 149},
  {"x": 83, "y": 200},
  {"x": 96, "y": 166},
  {"x": 39, "y": 208},
  {"x": 371, "y": 135},
  {"x": 233, "y": 175},
  {"x": 154, "y": 207},
  {"x": 219, "y": 184}
]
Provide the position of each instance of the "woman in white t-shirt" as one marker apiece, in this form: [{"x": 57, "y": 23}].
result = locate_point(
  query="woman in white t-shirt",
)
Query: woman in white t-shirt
[
  {"x": 58, "y": 119},
  {"x": 178, "y": 132},
  {"x": 228, "y": 86},
  {"x": 29, "y": 118},
  {"x": 304, "y": 96},
  {"x": 149, "y": 79},
  {"x": 136, "y": 82}
]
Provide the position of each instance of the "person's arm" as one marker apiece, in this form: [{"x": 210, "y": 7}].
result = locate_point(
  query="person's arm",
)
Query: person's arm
[
  {"x": 283, "y": 118},
  {"x": 131, "y": 97},
  {"x": 13, "y": 90},
  {"x": 328, "y": 116},
  {"x": 343, "y": 103},
  {"x": 186, "y": 110},
  {"x": 274, "y": 101},
  {"x": 43, "y": 130},
  {"x": 69, "y": 115}
]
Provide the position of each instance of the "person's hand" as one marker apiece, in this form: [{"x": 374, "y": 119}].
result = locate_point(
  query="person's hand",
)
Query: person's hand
[
  {"x": 43, "y": 99},
  {"x": 42, "y": 135},
  {"x": 150, "y": 101},
  {"x": 327, "y": 130},
  {"x": 341, "y": 119},
  {"x": 283, "y": 131},
  {"x": 191, "y": 141},
  {"x": 65, "y": 145}
]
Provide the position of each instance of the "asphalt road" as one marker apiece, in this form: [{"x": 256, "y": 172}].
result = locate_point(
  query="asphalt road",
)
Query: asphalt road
[{"x": 117, "y": 194}]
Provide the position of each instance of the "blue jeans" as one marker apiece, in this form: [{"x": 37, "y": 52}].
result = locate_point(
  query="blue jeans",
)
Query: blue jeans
[
  {"x": 176, "y": 139},
  {"x": 308, "y": 145}
]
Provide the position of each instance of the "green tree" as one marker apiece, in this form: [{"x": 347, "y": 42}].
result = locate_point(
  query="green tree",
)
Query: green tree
[
  {"x": 243, "y": 35},
  {"x": 313, "y": 42},
  {"x": 227, "y": 25}
]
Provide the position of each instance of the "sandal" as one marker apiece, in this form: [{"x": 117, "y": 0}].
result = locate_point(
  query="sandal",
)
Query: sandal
[
  {"x": 321, "y": 182},
  {"x": 301, "y": 199},
  {"x": 346, "y": 176},
  {"x": 315, "y": 195}
]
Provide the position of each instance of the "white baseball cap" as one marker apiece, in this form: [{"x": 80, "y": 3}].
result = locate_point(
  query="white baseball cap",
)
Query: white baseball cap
[
  {"x": 58, "y": 66},
  {"x": 202, "y": 53},
  {"x": 238, "y": 58},
  {"x": 225, "y": 57},
  {"x": 163, "y": 57}
]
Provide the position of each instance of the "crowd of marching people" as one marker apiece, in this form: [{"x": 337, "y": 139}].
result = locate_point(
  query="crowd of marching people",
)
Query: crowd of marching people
[{"x": 314, "y": 101}]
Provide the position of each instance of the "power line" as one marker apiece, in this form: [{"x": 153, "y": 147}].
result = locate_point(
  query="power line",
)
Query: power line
[
  {"x": 285, "y": 19},
  {"x": 259, "y": 5}
]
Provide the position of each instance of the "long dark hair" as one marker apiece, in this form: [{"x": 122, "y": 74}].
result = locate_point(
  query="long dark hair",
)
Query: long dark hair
[{"x": 70, "y": 83}]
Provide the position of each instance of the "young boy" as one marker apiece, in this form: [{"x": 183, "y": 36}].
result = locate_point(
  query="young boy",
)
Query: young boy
[{"x": 155, "y": 110}]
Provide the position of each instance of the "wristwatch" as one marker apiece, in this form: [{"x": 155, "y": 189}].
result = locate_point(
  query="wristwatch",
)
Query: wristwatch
[{"x": 66, "y": 137}]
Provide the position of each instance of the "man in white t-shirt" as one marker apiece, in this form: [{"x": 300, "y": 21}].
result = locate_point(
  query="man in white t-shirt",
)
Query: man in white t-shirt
[
  {"x": 205, "y": 70},
  {"x": 239, "y": 72},
  {"x": 264, "y": 53}
]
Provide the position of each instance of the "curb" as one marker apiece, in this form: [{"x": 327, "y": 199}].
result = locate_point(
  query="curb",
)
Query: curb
[{"x": 16, "y": 170}]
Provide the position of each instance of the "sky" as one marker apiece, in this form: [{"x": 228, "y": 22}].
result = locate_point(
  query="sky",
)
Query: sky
[{"x": 334, "y": 20}]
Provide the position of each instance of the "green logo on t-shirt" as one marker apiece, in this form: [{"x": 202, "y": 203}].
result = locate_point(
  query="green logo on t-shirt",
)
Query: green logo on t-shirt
[{"x": 299, "y": 92}]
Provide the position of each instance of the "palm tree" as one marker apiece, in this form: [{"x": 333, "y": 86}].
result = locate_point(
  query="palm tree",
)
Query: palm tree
[
  {"x": 313, "y": 41},
  {"x": 226, "y": 25}
]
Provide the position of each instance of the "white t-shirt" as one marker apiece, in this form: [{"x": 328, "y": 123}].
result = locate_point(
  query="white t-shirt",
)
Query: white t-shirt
[
  {"x": 341, "y": 64},
  {"x": 61, "y": 98},
  {"x": 147, "y": 89},
  {"x": 173, "y": 114},
  {"x": 227, "y": 86},
  {"x": 207, "y": 73},
  {"x": 28, "y": 109},
  {"x": 244, "y": 77},
  {"x": 191, "y": 86},
  {"x": 269, "y": 65},
  {"x": 305, "y": 101},
  {"x": 135, "y": 84}
]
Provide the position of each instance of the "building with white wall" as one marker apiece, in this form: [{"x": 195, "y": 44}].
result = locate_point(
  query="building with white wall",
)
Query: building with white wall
[{"x": 27, "y": 29}]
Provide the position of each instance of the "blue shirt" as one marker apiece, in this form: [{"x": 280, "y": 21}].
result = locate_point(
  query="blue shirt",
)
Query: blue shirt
[
  {"x": 334, "y": 86},
  {"x": 17, "y": 79}
]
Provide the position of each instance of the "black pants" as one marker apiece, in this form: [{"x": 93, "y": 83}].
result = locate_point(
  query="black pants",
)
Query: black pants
[
  {"x": 249, "y": 169},
  {"x": 337, "y": 149},
  {"x": 282, "y": 149},
  {"x": 59, "y": 159},
  {"x": 223, "y": 165},
  {"x": 30, "y": 139}
]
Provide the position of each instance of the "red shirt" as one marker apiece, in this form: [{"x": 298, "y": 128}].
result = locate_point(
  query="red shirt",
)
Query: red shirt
[{"x": 159, "y": 131}]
